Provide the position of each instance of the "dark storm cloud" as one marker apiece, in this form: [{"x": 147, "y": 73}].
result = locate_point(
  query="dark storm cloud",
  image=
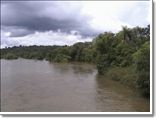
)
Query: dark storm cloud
[
  {"x": 16, "y": 31},
  {"x": 44, "y": 16}
]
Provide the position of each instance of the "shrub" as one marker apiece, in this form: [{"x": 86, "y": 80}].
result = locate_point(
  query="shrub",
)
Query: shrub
[
  {"x": 142, "y": 62},
  {"x": 10, "y": 56},
  {"x": 125, "y": 75},
  {"x": 62, "y": 58}
]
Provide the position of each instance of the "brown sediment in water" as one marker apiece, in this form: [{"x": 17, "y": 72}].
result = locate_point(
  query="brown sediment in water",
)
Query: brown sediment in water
[{"x": 40, "y": 86}]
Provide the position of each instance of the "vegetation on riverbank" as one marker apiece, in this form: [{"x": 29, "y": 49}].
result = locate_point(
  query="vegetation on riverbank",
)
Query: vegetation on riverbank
[
  {"x": 124, "y": 56},
  {"x": 125, "y": 75}
]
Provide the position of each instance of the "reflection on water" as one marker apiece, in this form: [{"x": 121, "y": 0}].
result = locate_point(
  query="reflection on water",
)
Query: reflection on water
[{"x": 32, "y": 86}]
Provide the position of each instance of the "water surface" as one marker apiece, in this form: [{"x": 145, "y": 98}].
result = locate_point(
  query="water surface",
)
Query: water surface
[{"x": 33, "y": 86}]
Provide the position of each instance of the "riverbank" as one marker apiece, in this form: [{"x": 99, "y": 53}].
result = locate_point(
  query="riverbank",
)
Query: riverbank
[{"x": 126, "y": 76}]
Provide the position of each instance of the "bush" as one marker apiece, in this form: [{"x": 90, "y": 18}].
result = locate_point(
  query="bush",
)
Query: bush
[
  {"x": 62, "y": 58},
  {"x": 125, "y": 75},
  {"x": 10, "y": 56},
  {"x": 142, "y": 62}
]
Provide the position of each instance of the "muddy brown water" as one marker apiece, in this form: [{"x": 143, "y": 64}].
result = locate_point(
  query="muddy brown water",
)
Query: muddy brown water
[{"x": 40, "y": 86}]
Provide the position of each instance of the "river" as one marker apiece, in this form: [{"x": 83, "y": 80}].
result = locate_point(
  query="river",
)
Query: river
[{"x": 40, "y": 86}]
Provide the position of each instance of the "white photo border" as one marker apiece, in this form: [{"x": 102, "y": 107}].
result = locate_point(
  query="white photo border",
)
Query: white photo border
[{"x": 150, "y": 113}]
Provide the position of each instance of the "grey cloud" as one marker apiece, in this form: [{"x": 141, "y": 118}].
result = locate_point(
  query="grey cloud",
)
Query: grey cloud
[
  {"x": 44, "y": 16},
  {"x": 16, "y": 31}
]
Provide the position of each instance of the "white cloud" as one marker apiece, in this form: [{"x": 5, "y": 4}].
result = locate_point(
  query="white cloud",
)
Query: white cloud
[
  {"x": 112, "y": 15},
  {"x": 43, "y": 38},
  {"x": 6, "y": 40}
]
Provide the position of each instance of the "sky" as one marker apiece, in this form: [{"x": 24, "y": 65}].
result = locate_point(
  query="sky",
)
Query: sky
[{"x": 67, "y": 22}]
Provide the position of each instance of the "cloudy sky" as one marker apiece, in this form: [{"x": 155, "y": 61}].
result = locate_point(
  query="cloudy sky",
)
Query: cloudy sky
[{"x": 65, "y": 23}]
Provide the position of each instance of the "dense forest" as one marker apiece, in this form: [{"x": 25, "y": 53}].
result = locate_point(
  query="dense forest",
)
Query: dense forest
[{"x": 122, "y": 56}]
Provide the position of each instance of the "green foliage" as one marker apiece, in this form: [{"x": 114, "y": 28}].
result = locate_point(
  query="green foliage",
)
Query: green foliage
[
  {"x": 125, "y": 75},
  {"x": 79, "y": 51},
  {"x": 10, "y": 56},
  {"x": 89, "y": 55},
  {"x": 142, "y": 62},
  {"x": 104, "y": 43},
  {"x": 123, "y": 55},
  {"x": 61, "y": 58}
]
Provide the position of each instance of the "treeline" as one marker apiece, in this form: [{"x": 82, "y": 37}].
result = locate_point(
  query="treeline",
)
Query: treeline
[
  {"x": 125, "y": 56},
  {"x": 79, "y": 52}
]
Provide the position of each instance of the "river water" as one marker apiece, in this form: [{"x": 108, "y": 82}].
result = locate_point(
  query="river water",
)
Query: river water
[{"x": 40, "y": 86}]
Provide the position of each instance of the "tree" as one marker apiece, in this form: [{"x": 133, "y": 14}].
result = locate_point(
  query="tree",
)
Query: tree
[
  {"x": 126, "y": 34},
  {"x": 104, "y": 45},
  {"x": 142, "y": 62}
]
